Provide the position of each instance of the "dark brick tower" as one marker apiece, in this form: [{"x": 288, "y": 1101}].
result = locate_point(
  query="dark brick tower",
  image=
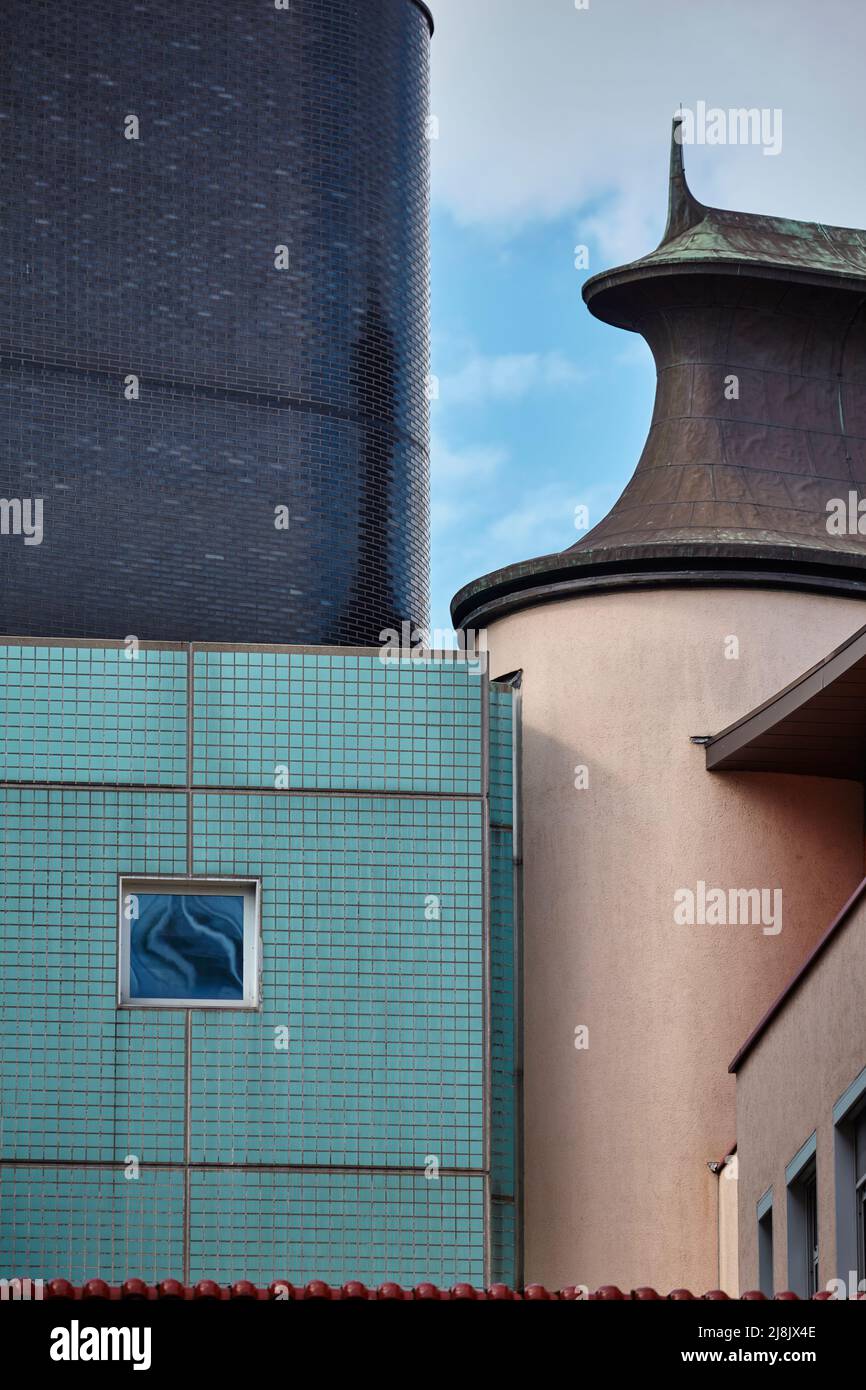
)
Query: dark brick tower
[{"x": 170, "y": 376}]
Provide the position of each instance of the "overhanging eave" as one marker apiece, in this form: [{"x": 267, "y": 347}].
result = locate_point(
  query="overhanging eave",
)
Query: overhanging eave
[{"x": 814, "y": 727}]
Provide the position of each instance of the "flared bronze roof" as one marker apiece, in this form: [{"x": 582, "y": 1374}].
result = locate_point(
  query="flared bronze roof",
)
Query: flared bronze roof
[
  {"x": 699, "y": 236},
  {"x": 758, "y": 329}
]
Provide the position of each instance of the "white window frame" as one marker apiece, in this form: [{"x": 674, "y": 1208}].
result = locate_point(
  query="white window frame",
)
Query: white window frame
[{"x": 187, "y": 884}]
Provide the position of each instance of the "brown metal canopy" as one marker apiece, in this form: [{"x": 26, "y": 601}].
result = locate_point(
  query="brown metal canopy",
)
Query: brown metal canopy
[
  {"x": 816, "y": 726},
  {"x": 758, "y": 330}
]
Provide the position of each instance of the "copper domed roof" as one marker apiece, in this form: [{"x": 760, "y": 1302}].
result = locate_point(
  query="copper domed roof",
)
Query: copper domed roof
[{"x": 758, "y": 330}]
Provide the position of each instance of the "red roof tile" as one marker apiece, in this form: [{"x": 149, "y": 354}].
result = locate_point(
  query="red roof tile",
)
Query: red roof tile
[{"x": 316, "y": 1291}]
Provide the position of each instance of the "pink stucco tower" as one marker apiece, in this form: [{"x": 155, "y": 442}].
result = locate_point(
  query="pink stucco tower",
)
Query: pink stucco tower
[{"x": 714, "y": 581}]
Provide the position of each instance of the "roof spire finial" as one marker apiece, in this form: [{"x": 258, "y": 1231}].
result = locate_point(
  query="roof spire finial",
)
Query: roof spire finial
[{"x": 683, "y": 210}]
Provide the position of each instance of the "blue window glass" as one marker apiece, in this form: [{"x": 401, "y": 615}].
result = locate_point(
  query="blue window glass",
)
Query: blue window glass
[{"x": 186, "y": 946}]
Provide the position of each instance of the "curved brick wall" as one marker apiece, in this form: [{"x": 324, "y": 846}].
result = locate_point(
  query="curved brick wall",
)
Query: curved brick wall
[{"x": 259, "y": 387}]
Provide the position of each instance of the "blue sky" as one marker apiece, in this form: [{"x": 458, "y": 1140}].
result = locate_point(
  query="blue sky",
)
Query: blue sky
[
  {"x": 554, "y": 127},
  {"x": 541, "y": 409}
]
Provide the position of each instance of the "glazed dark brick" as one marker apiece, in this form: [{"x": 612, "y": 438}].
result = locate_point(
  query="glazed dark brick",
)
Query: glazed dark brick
[{"x": 258, "y": 388}]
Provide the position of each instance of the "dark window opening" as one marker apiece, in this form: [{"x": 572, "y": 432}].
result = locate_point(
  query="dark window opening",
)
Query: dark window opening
[
  {"x": 766, "y": 1281},
  {"x": 810, "y": 1208},
  {"x": 803, "y": 1236},
  {"x": 860, "y": 1190}
]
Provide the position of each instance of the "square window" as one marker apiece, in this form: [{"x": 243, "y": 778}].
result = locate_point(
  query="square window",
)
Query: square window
[{"x": 188, "y": 943}]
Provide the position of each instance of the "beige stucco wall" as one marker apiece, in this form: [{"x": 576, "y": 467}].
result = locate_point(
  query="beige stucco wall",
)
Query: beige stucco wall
[
  {"x": 729, "y": 1270},
  {"x": 618, "y": 1136},
  {"x": 786, "y": 1090}
]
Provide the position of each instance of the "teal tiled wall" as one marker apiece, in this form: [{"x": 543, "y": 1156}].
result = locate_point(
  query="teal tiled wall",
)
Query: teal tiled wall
[
  {"x": 383, "y": 1007},
  {"x": 64, "y": 1222},
  {"x": 270, "y": 1225},
  {"x": 93, "y": 714},
  {"x": 373, "y": 927},
  {"x": 352, "y": 722},
  {"x": 74, "y": 1077},
  {"x": 504, "y": 1146}
]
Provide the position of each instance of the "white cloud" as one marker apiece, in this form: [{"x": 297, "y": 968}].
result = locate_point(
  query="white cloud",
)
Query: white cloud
[
  {"x": 508, "y": 377},
  {"x": 473, "y": 463},
  {"x": 545, "y": 109},
  {"x": 444, "y": 513},
  {"x": 544, "y": 520},
  {"x": 548, "y": 514}
]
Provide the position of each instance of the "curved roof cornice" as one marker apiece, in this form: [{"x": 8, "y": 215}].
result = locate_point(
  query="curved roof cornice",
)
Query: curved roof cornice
[{"x": 698, "y": 237}]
